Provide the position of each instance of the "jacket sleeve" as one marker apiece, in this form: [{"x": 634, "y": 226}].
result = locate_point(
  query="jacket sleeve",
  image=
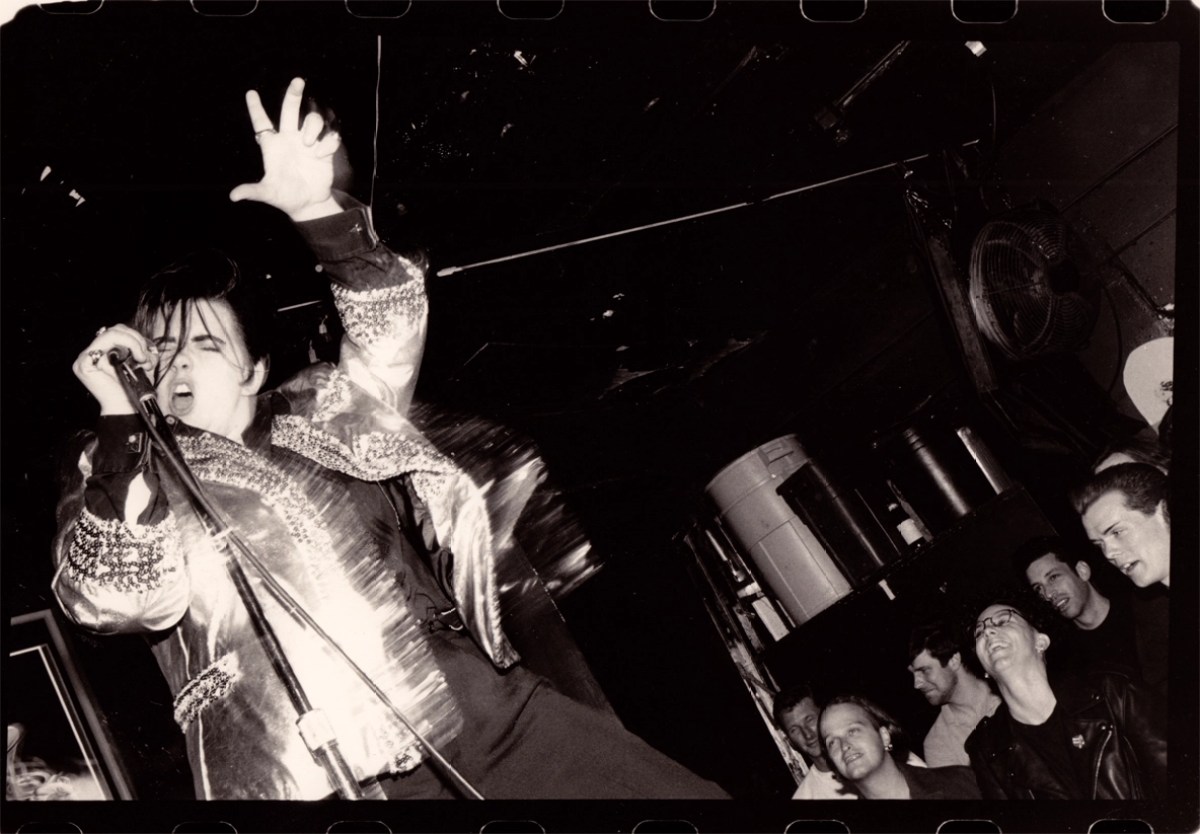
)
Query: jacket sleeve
[
  {"x": 1144, "y": 728},
  {"x": 966, "y": 783},
  {"x": 380, "y": 297},
  {"x": 990, "y": 786},
  {"x": 119, "y": 565}
]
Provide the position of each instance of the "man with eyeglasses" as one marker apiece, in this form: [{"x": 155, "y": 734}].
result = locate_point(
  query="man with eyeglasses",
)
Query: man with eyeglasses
[{"x": 1098, "y": 736}]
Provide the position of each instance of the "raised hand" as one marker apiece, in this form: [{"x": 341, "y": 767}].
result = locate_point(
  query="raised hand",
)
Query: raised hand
[
  {"x": 97, "y": 374},
  {"x": 297, "y": 160}
]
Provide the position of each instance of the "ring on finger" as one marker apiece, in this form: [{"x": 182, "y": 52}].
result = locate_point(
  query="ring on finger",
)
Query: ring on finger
[
  {"x": 95, "y": 356},
  {"x": 259, "y": 133}
]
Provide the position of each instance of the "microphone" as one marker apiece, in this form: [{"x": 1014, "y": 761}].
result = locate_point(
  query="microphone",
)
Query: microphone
[{"x": 137, "y": 384}]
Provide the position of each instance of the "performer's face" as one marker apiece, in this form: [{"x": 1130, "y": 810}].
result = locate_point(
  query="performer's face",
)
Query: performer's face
[{"x": 205, "y": 376}]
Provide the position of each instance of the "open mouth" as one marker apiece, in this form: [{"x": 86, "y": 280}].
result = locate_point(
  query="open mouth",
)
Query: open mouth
[
  {"x": 182, "y": 399},
  {"x": 1061, "y": 604}
]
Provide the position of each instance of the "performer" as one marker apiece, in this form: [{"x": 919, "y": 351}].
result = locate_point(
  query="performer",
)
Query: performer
[{"x": 382, "y": 539}]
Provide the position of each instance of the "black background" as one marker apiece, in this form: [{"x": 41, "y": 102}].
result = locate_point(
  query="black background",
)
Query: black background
[{"x": 727, "y": 330}]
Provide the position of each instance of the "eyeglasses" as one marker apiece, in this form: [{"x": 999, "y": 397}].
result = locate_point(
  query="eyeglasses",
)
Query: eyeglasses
[{"x": 1001, "y": 618}]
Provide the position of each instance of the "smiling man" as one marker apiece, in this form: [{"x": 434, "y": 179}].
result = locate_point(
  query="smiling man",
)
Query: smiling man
[
  {"x": 867, "y": 748},
  {"x": 1102, "y": 630},
  {"x": 1063, "y": 582},
  {"x": 941, "y": 675},
  {"x": 796, "y": 713},
  {"x": 1094, "y": 737}
]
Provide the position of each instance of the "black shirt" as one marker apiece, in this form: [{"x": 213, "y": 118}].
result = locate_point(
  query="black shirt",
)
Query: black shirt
[
  {"x": 1151, "y": 610},
  {"x": 1112, "y": 645},
  {"x": 1050, "y": 743}
]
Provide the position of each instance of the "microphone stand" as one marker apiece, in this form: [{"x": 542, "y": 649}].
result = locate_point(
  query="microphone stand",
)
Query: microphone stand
[{"x": 314, "y": 728}]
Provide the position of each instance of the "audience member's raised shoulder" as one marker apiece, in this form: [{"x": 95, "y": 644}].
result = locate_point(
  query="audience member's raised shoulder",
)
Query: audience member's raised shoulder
[{"x": 1106, "y": 680}]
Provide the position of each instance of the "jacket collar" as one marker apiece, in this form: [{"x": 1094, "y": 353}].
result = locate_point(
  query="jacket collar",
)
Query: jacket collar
[
  {"x": 267, "y": 406},
  {"x": 258, "y": 434}
]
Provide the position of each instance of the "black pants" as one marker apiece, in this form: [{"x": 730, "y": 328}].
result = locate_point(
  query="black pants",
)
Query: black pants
[{"x": 555, "y": 749}]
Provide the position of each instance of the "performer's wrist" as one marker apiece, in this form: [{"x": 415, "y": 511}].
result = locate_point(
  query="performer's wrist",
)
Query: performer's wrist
[
  {"x": 345, "y": 234},
  {"x": 120, "y": 443},
  {"x": 327, "y": 207}
]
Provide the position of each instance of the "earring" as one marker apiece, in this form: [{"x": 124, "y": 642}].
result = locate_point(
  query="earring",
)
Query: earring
[{"x": 887, "y": 747}]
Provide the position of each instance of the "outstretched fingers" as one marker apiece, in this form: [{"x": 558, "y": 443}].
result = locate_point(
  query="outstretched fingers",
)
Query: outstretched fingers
[
  {"x": 259, "y": 120},
  {"x": 328, "y": 145},
  {"x": 310, "y": 131},
  {"x": 289, "y": 113},
  {"x": 297, "y": 170}
]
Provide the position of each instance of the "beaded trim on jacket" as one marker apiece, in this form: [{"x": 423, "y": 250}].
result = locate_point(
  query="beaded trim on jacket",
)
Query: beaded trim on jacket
[
  {"x": 218, "y": 460},
  {"x": 370, "y": 314},
  {"x": 205, "y": 688},
  {"x": 122, "y": 557},
  {"x": 413, "y": 682},
  {"x": 374, "y": 456},
  {"x": 330, "y": 430}
]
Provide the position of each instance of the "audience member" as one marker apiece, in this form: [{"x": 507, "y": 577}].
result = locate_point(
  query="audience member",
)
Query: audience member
[
  {"x": 941, "y": 675},
  {"x": 1101, "y": 630},
  {"x": 868, "y": 750},
  {"x": 1134, "y": 450},
  {"x": 1092, "y": 737},
  {"x": 1124, "y": 512},
  {"x": 796, "y": 713}
]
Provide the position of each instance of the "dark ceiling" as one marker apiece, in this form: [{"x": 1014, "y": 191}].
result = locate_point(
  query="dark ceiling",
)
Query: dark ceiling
[
  {"x": 496, "y": 138},
  {"x": 642, "y": 350}
]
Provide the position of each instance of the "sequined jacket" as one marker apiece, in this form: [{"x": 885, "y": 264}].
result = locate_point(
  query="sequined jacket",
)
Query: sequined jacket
[{"x": 293, "y": 491}]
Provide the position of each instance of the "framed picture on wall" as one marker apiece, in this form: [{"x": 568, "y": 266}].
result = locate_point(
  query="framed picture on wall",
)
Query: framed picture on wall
[{"x": 58, "y": 747}]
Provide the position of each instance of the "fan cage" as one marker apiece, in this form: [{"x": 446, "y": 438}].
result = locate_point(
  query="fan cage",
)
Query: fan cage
[{"x": 1026, "y": 290}]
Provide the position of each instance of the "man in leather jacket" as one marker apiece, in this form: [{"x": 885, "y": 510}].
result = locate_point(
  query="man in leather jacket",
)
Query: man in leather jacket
[{"x": 1099, "y": 736}]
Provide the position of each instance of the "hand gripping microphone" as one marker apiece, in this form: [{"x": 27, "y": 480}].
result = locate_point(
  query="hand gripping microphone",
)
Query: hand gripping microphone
[{"x": 137, "y": 384}]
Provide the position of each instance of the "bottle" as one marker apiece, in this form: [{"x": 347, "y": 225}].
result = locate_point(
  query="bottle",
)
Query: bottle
[{"x": 905, "y": 526}]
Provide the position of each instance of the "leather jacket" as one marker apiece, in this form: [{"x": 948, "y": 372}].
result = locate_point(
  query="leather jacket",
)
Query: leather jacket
[
  {"x": 1115, "y": 726},
  {"x": 950, "y": 782}
]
